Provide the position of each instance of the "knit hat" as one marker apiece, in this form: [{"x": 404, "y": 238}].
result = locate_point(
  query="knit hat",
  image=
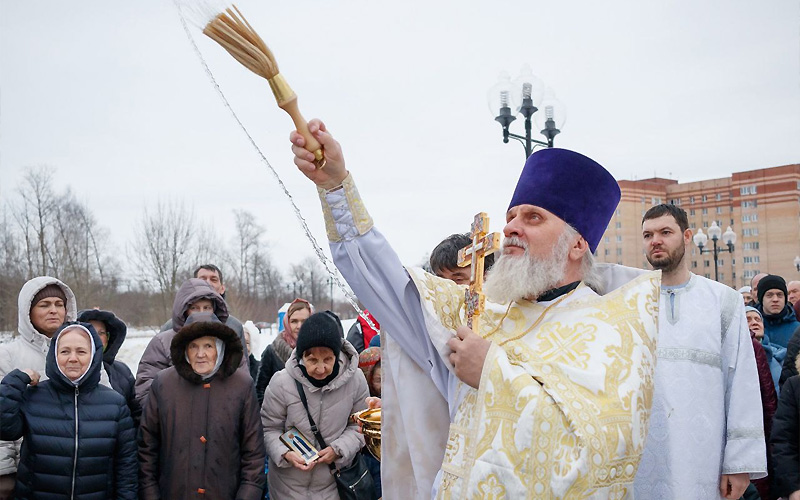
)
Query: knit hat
[
  {"x": 368, "y": 358},
  {"x": 770, "y": 282},
  {"x": 51, "y": 290},
  {"x": 748, "y": 309},
  {"x": 320, "y": 330}
]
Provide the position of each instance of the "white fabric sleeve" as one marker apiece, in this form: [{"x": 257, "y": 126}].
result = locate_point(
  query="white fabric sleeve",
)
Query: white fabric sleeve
[
  {"x": 379, "y": 280},
  {"x": 745, "y": 448}
]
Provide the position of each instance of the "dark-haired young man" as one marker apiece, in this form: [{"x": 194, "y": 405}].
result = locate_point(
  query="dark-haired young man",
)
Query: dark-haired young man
[
  {"x": 706, "y": 415},
  {"x": 444, "y": 259}
]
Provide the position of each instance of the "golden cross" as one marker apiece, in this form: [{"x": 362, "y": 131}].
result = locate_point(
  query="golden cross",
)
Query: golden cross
[{"x": 473, "y": 255}]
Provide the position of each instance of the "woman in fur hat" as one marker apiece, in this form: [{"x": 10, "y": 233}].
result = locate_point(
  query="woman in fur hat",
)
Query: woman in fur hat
[{"x": 200, "y": 432}]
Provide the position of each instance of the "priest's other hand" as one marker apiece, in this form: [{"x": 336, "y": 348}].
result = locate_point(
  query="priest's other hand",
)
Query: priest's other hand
[
  {"x": 733, "y": 485},
  {"x": 469, "y": 353},
  {"x": 334, "y": 171}
]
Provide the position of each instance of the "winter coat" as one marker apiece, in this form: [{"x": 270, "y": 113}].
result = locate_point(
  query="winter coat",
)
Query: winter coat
[
  {"x": 769, "y": 403},
  {"x": 780, "y": 327},
  {"x": 273, "y": 360},
  {"x": 785, "y": 440},
  {"x": 331, "y": 407},
  {"x": 77, "y": 440},
  {"x": 28, "y": 351},
  {"x": 156, "y": 356},
  {"x": 789, "y": 363},
  {"x": 201, "y": 436},
  {"x": 119, "y": 374}
]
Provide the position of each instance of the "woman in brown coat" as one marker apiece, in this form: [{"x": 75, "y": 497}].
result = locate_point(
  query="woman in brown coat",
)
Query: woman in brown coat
[
  {"x": 326, "y": 366},
  {"x": 200, "y": 433}
]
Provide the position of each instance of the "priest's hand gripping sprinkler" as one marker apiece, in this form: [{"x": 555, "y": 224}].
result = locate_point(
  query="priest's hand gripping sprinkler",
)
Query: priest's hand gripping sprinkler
[{"x": 231, "y": 30}]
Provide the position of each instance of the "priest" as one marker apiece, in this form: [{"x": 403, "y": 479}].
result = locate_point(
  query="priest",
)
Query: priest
[{"x": 550, "y": 397}]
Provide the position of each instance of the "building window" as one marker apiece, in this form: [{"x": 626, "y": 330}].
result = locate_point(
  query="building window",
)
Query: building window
[
  {"x": 705, "y": 198},
  {"x": 705, "y": 224},
  {"x": 675, "y": 201},
  {"x": 619, "y": 251},
  {"x": 721, "y": 276},
  {"x": 755, "y": 259},
  {"x": 607, "y": 252},
  {"x": 619, "y": 238},
  {"x": 719, "y": 210},
  {"x": 719, "y": 196},
  {"x": 704, "y": 211},
  {"x": 721, "y": 262},
  {"x": 693, "y": 225},
  {"x": 643, "y": 200},
  {"x": 694, "y": 263},
  {"x": 691, "y": 211},
  {"x": 706, "y": 263},
  {"x": 748, "y": 190},
  {"x": 707, "y": 276},
  {"x": 618, "y": 225},
  {"x": 691, "y": 199},
  {"x": 750, "y": 204}
]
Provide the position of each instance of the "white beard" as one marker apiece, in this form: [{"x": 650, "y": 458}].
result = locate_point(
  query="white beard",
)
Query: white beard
[{"x": 516, "y": 277}]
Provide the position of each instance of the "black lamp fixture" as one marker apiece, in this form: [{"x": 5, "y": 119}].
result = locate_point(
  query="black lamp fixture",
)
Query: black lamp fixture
[{"x": 526, "y": 95}]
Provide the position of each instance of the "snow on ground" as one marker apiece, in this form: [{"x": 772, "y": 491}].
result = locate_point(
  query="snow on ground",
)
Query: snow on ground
[{"x": 137, "y": 339}]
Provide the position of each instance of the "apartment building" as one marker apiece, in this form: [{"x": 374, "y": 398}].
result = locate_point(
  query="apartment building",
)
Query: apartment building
[{"x": 761, "y": 206}]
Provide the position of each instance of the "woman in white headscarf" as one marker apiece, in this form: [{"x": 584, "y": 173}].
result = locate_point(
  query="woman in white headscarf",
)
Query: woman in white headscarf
[{"x": 79, "y": 440}]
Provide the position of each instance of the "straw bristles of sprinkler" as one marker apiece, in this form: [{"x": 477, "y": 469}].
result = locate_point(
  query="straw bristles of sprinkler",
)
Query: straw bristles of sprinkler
[{"x": 232, "y": 31}]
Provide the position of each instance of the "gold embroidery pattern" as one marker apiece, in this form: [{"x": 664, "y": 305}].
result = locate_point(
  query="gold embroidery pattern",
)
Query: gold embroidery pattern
[
  {"x": 361, "y": 217},
  {"x": 571, "y": 424},
  {"x": 330, "y": 224}
]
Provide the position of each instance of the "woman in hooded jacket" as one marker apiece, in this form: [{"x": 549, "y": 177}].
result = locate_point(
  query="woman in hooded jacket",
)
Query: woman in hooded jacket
[
  {"x": 112, "y": 332},
  {"x": 79, "y": 440},
  {"x": 200, "y": 434},
  {"x": 326, "y": 368},
  {"x": 275, "y": 356}
]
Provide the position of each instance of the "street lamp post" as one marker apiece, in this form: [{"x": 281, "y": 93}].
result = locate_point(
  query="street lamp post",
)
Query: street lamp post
[
  {"x": 728, "y": 237},
  {"x": 526, "y": 95}
]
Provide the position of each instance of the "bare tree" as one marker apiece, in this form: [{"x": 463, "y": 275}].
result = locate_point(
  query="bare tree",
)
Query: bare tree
[
  {"x": 310, "y": 280},
  {"x": 163, "y": 248},
  {"x": 33, "y": 214}
]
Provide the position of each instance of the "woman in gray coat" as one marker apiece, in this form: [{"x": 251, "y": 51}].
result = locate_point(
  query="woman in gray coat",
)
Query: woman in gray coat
[{"x": 327, "y": 368}]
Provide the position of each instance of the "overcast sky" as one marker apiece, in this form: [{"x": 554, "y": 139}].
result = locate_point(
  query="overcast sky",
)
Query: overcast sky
[{"x": 111, "y": 94}]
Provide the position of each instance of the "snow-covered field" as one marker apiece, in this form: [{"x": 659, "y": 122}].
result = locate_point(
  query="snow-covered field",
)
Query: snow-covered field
[{"x": 137, "y": 339}]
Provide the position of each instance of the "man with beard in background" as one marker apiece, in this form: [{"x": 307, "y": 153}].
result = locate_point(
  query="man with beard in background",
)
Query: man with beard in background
[
  {"x": 551, "y": 360},
  {"x": 706, "y": 436}
]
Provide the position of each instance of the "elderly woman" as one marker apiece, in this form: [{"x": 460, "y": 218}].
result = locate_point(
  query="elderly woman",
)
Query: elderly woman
[
  {"x": 79, "y": 440},
  {"x": 274, "y": 357},
  {"x": 200, "y": 433},
  {"x": 325, "y": 368}
]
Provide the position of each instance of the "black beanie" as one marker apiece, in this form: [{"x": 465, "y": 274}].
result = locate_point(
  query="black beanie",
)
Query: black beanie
[
  {"x": 770, "y": 282},
  {"x": 51, "y": 290},
  {"x": 320, "y": 330}
]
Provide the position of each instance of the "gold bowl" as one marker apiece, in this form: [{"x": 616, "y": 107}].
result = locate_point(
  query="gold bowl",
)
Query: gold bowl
[{"x": 370, "y": 421}]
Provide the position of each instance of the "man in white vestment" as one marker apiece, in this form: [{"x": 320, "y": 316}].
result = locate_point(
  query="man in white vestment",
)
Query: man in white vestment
[
  {"x": 550, "y": 397},
  {"x": 706, "y": 437}
]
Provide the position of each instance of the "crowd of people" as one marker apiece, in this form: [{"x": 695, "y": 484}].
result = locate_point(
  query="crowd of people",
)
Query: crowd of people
[{"x": 205, "y": 417}]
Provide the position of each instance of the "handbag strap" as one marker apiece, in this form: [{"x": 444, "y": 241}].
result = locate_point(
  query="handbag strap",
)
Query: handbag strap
[{"x": 314, "y": 427}]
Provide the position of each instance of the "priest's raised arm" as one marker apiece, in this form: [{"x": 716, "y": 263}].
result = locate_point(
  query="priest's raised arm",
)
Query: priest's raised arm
[
  {"x": 551, "y": 396},
  {"x": 365, "y": 258}
]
